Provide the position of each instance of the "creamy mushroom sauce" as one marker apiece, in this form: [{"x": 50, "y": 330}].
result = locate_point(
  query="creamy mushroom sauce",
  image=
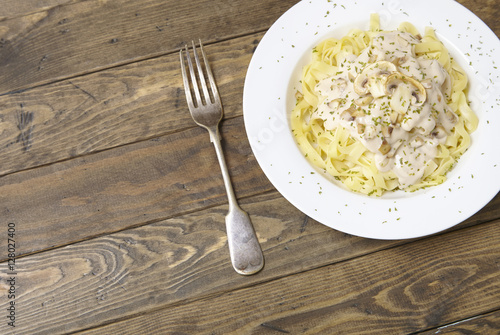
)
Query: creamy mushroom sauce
[{"x": 392, "y": 101}]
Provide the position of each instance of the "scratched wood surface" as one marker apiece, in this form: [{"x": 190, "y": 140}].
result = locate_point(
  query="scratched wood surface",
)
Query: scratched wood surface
[{"x": 119, "y": 203}]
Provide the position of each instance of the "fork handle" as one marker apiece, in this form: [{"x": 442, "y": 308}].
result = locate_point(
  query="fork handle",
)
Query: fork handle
[{"x": 244, "y": 248}]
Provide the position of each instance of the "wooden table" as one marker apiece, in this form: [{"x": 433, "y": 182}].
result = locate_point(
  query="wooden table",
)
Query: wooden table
[{"x": 116, "y": 204}]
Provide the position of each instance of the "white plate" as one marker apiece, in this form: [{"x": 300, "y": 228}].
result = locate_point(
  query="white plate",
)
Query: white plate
[{"x": 268, "y": 99}]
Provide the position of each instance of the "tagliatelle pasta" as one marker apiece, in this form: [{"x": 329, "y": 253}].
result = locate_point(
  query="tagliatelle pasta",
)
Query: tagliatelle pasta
[{"x": 383, "y": 110}]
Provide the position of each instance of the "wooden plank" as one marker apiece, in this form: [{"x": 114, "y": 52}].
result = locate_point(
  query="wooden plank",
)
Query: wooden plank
[
  {"x": 96, "y": 281},
  {"x": 400, "y": 290},
  {"x": 185, "y": 258},
  {"x": 88, "y": 36},
  {"x": 15, "y": 9},
  {"x": 128, "y": 186},
  {"x": 59, "y": 42},
  {"x": 483, "y": 324},
  {"x": 113, "y": 108},
  {"x": 486, "y": 10}
]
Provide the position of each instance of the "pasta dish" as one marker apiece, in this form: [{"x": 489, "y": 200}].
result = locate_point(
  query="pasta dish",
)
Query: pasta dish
[{"x": 383, "y": 110}]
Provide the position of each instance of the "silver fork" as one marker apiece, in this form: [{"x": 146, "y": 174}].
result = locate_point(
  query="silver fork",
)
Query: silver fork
[{"x": 206, "y": 110}]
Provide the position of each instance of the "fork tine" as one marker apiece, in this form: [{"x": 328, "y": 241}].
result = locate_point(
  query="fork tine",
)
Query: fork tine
[
  {"x": 215, "y": 92},
  {"x": 200, "y": 73},
  {"x": 185, "y": 79},
  {"x": 193, "y": 78}
]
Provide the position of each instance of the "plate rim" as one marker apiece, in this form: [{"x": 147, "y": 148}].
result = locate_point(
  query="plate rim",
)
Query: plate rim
[{"x": 275, "y": 125}]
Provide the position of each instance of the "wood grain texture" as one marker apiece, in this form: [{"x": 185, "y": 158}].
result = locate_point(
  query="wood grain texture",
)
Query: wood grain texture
[
  {"x": 119, "y": 203},
  {"x": 176, "y": 261},
  {"x": 486, "y": 10},
  {"x": 87, "y": 36},
  {"x": 163, "y": 264},
  {"x": 114, "y": 107},
  {"x": 15, "y": 9},
  {"x": 482, "y": 324},
  {"x": 58, "y": 42},
  {"x": 127, "y": 186},
  {"x": 450, "y": 278}
]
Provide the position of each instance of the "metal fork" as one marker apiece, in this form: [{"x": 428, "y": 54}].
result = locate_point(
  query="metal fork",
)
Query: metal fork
[{"x": 206, "y": 110}]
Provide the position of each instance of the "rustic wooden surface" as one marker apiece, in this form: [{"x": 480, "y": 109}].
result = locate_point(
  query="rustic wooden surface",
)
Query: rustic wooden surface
[{"x": 119, "y": 204}]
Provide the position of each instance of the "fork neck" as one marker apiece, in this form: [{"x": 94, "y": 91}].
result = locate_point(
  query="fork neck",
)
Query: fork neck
[
  {"x": 214, "y": 134},
  {"x": 215, "y": 138}
]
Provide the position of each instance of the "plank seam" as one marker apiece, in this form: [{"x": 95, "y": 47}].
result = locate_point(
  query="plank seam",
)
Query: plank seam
[{"x": 270, "y": 280}]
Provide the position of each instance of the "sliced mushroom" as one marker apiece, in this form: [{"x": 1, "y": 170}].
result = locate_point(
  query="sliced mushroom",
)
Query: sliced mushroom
[
  {"x": 418, "y": 91},
  {"x": 404, "y": 90},
  {"x": 417, "y": 142},
  {"x": 361, "y": 86},
  {"x": 401, "y": 97},
  {"x": 417, "y": 99},
  {"x": 372, "y": 78},
  {"x": 396, "y": 117},
  {"x": 363, "y": 101},
  {"x": 347, "y": 114},
  {"x": 400, "y": 60},
  {"x": 385, "y": 147},
  {"x": 387, "y": 131},
  {"x": 334, "y": 104},
  {"x": 358, "y": 112},
  {"x": 361, "y": 128}
]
